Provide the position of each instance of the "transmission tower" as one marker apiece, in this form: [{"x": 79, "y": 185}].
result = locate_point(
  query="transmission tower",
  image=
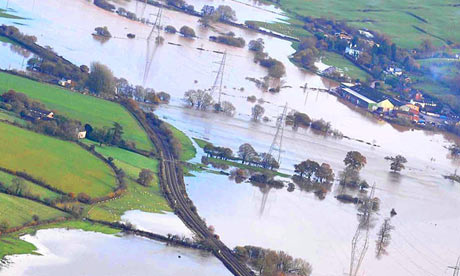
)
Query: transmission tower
[
  {"x": 218, "y": 82},
  {"x": 277, "y": 143},
  {"x": 149, "y": 58},
  {"x": 157, "y": 24},
  {"x": 360, "y": 241},
  {"x": 456, "y": 268}
]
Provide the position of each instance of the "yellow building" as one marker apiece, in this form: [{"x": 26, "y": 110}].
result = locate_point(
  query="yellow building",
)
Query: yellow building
[{"x": 386, "y": 105}]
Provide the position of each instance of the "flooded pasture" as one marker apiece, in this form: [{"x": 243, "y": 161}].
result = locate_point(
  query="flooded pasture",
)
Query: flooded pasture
[
  {"x": 425, "y": 240},
  {"x": 76, "y": 252}
]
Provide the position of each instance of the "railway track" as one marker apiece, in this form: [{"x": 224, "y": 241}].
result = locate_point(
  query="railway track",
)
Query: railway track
[{"x": 172, "y": 182}]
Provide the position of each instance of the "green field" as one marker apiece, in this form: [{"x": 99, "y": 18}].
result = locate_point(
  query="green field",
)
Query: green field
[
  {"x": 131, "y": 162},
  {"x": 34, "y": 189},
  {"x": 351, "y": 70},
  {"x": 394, "y": 18},
  {"x": 137, "y": 197},
  {"x": 17, "y": 211},
  {"x": 62, "y": 164},
  {"x": 188, "y": 150},
  {"x": 6, "y": 40},
  {"x": 95, "y": 111},
  {"x": 11, "y": 117}
]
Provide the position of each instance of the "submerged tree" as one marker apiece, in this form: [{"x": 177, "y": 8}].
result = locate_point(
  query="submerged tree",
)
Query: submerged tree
[
  {"x": 257, "y": 112},
  {"x": 199, "y": 99},
  {"x": 397, "y": 163},
  {"x": 383, "y": 238}
]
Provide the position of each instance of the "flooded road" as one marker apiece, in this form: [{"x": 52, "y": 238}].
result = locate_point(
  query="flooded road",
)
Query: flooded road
[
  {"x": 426, "y": 238},
  {"x": 76, "y": 252}
]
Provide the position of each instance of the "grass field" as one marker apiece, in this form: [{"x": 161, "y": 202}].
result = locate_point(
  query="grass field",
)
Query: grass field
[
  {"x": 188, "y": 150},
  {"x": 17, "y": 211},
  {"x": 11, "y": 117},
  {"x": 87, "y": 109},
  {"x": 394, "y": 18},
  {"x": 6, "y": 39},
  {"x": 62, "y": 164},
  {"x": 43, "y": 193},
  {"x": 334, "y": 59},
  {"x": 137, "y": 197}
]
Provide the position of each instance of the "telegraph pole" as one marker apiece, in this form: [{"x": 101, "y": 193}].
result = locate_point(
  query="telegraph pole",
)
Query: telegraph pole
[
  {"x": 456, "y": 268},
  {"x": 218, "y": 82},
  {"x": 277, "y": 142}
]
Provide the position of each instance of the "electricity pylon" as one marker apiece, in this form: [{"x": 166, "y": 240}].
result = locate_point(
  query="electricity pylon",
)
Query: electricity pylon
[
  {"x": 277, "y": 143},
  {"x": 218, "y": 82}
]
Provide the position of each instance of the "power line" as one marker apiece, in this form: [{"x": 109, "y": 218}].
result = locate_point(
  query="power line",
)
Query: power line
[
  {"x": 277, "y": 143},
  {"x": 456, "y": 268}
]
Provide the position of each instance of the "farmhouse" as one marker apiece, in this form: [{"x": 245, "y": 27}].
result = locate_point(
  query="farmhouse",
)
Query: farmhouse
[{"x": 351, "y": 51}]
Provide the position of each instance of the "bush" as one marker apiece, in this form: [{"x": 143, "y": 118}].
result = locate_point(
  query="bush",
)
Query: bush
[
  {"x": 187, "y": 31},
  {"x": 170, "y": 29}
]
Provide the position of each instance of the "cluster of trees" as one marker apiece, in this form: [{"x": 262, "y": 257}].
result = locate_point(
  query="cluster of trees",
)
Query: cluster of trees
[
  {"x": 298, "y": 119},
  {"x": 101, "y": 80},
  {"x": 58, "y": 126},
  {"x": 104, "y": 5},
  {"x": 139, "y": 93},
  {"x": 123, "y": 12},
  {"x": 202, "y": 100},
  {"x": 354, "y": 161},
  {"x": 307, "y": 53},
  {"x": 181, "y": 4},
  {"x": 46, "y": 60},
  {"x": 103, "y": 31},
  {"x": 272, "y": 263},
  {"x": 275, "y": 67},
  {"x": 312, "y": 170},
  {"x": 229, "y": 39},
  {"x": 108, "y": 136},
  {"x": 246, "y": 154},
  {"x": 223, "y": 13}
]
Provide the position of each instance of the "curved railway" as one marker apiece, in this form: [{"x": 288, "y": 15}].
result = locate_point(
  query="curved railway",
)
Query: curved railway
[{"x": 172, "y": 182}]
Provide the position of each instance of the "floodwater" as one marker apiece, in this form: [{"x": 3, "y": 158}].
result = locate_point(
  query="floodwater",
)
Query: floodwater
[
  {"x": 425, "y": 240},
  {"x": 159, "y": 223},
  {"x": 76, "y": 252},
  {"x": 244, "y": 9}
]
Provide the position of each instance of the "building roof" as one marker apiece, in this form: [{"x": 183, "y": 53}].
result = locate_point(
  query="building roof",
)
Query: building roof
[
  {"x": 386, "y": 104},
  {"x": 359, "y": 96}
]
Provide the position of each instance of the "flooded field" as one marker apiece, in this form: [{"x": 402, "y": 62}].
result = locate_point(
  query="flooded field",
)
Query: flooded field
[
  {"x": 75, "y": 252},
  {"x": 425, "y": 240}
]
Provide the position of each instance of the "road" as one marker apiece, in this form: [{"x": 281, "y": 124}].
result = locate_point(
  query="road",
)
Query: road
[{"x": 172, "y": 181}]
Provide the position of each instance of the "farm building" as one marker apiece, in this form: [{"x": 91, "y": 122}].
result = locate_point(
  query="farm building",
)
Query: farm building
[{"x": 356, "y": 98}]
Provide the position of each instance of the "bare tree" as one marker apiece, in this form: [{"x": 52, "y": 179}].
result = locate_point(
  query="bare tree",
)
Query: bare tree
[
  {"x": 227, "y": 108},
  {"x": 383, "y": 238},
  {"x": 199, "y": 99}
]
